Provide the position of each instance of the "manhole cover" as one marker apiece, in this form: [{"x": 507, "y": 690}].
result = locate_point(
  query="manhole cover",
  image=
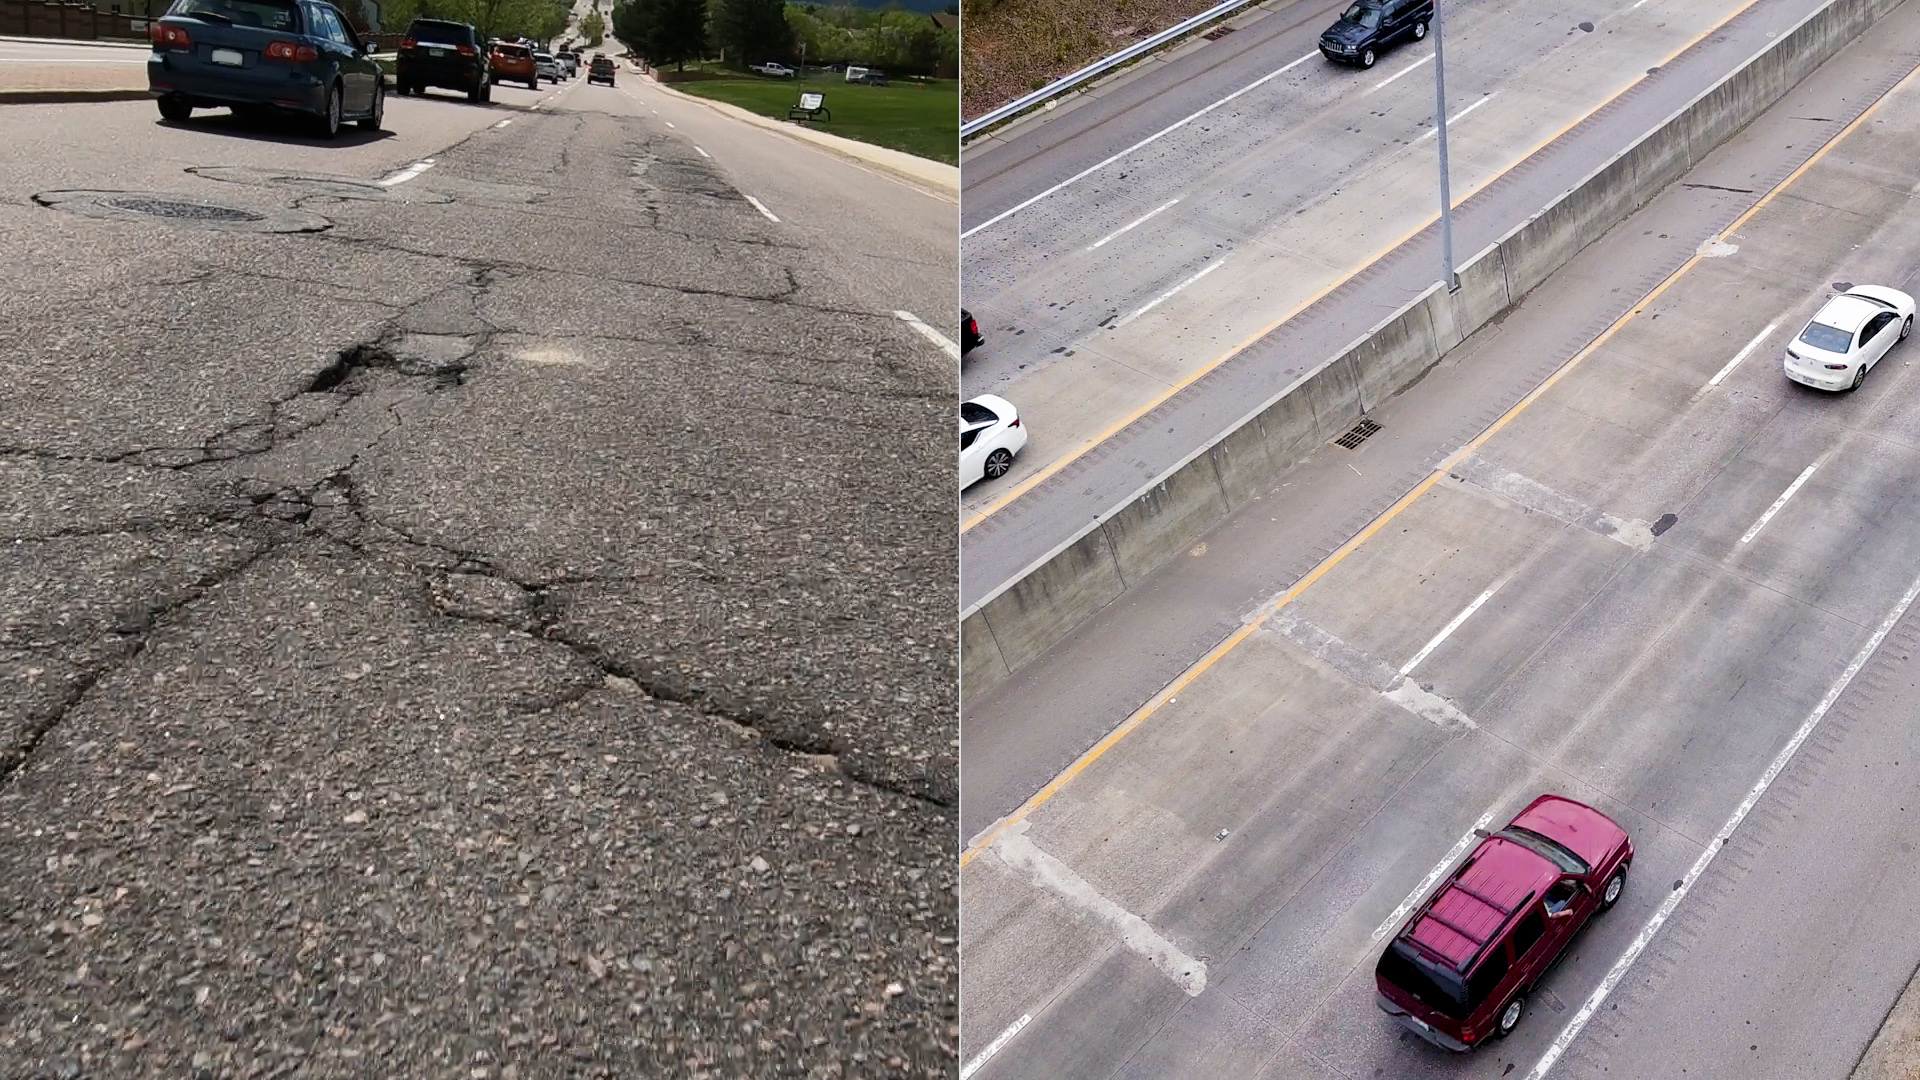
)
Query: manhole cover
[
  {"x": 174, "y": 208},
  {"x": 181, "y": 209},
  {"x": 333, "y": 187}
]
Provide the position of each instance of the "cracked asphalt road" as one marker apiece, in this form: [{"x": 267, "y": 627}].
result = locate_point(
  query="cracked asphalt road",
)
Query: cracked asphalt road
[{"x": 506, "y": 633}]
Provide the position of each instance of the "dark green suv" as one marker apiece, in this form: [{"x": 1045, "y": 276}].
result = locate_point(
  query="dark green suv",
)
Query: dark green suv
[
  {"x": 448, "y": 55},
  {"x": 1369, "y": 27}
]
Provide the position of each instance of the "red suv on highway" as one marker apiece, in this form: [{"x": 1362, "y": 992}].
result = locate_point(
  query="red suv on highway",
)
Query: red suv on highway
[
  {"x": 508, "y": 61},
  {"x": 1459, "y": 971}
]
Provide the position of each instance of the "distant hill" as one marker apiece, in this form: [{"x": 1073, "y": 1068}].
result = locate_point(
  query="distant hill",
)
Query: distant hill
[{"x": 910, "y": 5}]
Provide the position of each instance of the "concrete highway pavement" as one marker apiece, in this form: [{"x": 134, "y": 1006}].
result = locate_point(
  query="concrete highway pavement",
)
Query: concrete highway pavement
[
  {"x": 1609, "y": 598},
  {"x": 1383, "y": 173},
  {"x": 424, "y": 645}
]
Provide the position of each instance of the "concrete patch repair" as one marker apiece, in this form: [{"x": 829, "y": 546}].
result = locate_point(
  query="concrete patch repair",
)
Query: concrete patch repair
[
  {"x": 180, "y": 210},
  {"x": 1021, "y": 853}
]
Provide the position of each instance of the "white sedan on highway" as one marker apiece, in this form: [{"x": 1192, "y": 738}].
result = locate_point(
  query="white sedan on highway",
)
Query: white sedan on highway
[
  {"x": 1849, "y": 336},
  {"x": 990, "y": 436}
]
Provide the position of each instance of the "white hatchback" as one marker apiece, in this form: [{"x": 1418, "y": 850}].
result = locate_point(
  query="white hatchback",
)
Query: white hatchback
[
  {"x": 990, "y": 436},
  {"x": 1848, "y": 337}
]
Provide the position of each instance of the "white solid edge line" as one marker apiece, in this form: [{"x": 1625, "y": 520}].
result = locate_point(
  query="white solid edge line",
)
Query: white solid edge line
[
  {"x": 994, "y": 1047},
  {"x": 1141, "y": 220},
  {"x": 762, "y": 207},
  {"x": 1402, "y": 71},
  {"x": 703, "y": 151},
  {"x": 1448, "y": 629},
  {"x": 407, "y": 173},
  {"x": 1090, "y": 170},
  {"x": 1743, "y": 354},
  {"x": 1720, "y": 839},
  {"x": 928, "y": 332},
  {"x": 1432, "y": 877},
  {"x": 1158, "y": 300},
  {"x": 1778, "y": 503}
]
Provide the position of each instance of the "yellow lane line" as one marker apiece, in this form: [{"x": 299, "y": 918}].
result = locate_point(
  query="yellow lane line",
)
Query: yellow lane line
[
  {"x": 1053, "y": 467},
  {"x": 1233, "y": 641}
]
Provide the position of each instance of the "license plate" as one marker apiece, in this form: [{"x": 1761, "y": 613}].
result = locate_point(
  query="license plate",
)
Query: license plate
[
  {"x": 436, "y": 52},
  {"x": 229, "y": 57}
]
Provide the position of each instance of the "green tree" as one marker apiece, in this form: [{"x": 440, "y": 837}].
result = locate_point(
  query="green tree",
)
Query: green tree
[
  {"x": 663, "y": 31},
  {"x": 753, "y": 31},
  {"x": 594, "y": 27}
]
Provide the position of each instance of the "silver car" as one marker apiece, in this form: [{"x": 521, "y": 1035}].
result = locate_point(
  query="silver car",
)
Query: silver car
[{"x": 546, "y": 66}]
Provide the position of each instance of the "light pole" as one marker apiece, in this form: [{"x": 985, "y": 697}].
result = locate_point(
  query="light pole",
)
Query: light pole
[{"x": 1440, "y": 124}]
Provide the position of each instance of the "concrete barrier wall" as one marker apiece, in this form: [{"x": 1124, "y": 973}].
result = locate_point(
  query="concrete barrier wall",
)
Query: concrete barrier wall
[{"x": 1021, "y": 620}]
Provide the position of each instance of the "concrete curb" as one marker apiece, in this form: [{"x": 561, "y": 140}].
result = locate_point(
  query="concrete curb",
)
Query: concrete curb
[
  {"x": 106, "y": 43},
  {"x": 63, "y": 97},
  {"x": 922, "y": 171},
  {"x": 1029, "y": 613}
]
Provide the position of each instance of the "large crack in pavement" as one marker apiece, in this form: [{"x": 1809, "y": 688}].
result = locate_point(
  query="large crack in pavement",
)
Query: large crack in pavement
[{"x": 543, "y": 672}]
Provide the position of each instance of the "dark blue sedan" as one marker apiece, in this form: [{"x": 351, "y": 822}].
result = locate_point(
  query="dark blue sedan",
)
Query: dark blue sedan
[{"x": 261, "y": 56}]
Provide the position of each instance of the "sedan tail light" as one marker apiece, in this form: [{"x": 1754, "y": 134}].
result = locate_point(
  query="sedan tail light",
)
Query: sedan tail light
[
  {"x": 292, "y": 52},
  {"x": 1015, "y": 422},
  {"x": 169, "y": 36},
  {"x": 1836, "y": 367}
]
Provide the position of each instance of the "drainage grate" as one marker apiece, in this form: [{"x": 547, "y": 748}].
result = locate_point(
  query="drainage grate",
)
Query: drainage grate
[
  {"x": 1360, "y": 433},
  {"x": 189, "y": 211},
  {"x": 1217, "y": 33}
]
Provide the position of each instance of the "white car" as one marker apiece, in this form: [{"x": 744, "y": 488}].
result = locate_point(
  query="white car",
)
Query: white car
[
  {"x": 990, "y": 436},
  {"x": 1848, "y": 337},
  {"x": 567, "y": 64},
  {"x": 546, "y": 67},
  {"x": 778, "y": 71}
]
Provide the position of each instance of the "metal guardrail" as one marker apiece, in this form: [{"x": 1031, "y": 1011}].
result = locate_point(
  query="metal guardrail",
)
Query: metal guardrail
[{"x": 1098, "y": 67}]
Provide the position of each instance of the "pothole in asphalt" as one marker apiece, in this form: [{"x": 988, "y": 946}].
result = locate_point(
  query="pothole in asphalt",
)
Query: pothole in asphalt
[
  {"x": 150, "y": 205},
  {"x": 335, "y": 187}
]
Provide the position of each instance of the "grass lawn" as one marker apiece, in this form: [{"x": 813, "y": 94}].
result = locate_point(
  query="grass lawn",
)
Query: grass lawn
[{"x": 920, "y": 119}]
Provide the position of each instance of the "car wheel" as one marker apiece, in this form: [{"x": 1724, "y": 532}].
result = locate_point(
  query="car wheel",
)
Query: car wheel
[
  {"x": 329, "y": 122},
  {"x": 1859, "y": 377},
  {"x": 175, "y": 109},
  {"x": 998, "y": 463},
  {"x": 1419, "y": 31},
  {"x": 372, "y": 120},
  {"x": 1510, "y": 1016},
  {"x": 1366, "y": 58},
  {"x": 1906, "y": 328},
  {"x": 478, "y": 92},
  {"x": 533, "y": 83},
  {"x": 1610, "y": 893}
]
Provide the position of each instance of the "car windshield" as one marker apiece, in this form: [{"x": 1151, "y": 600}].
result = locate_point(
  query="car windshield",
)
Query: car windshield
[
  {"x": 440, "y": 33},
  {"x": 1829, "y": 338},
  {"x": 1437, "y": 987},
  {"x": 268, "y": 14},
  {"x": 972, "y": 412},
  {"x": 1551, "y": 850},
  {"x": 514, "y": 51},
  {"x": 1363, "y": 14}
]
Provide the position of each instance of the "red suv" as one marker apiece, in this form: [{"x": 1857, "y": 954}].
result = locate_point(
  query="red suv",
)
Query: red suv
[{"x": 1460, "y": 969}]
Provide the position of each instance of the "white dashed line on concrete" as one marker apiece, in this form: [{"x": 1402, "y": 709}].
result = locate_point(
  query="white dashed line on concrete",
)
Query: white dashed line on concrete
[
  {"x": 946, "y": 344},
  {"x": 1168, "y": 295},
  {"x": 1779, "y": 502},
  {"x": 762, "y": 207},
  {"x": 994, "y": 1047},
  {"x": 407, "y": 173}
]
